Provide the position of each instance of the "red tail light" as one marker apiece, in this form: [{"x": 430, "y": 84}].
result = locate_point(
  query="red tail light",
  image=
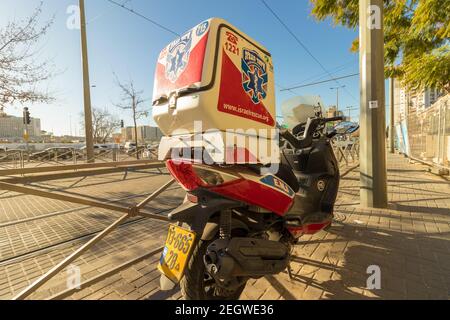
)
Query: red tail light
[
  {"x": 192, "y": 176},
  {"x": 185, "y": 175}
]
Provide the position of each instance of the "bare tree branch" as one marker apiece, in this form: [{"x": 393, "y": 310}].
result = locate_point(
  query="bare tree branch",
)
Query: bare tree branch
[
  {"x": 103, "y": 124},
  {"x": 131, "y": 100},
  {"x": 20, "y": 71}
]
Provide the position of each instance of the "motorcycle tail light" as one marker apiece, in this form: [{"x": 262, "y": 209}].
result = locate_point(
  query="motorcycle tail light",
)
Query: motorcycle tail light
[
  {"x": 184, "y": 173},
  {"x": 192, "y": 176},
  {"x": 213, "y": 178}
]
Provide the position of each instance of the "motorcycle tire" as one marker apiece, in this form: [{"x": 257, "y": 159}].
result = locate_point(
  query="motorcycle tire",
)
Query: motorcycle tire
[{"x": 193, "y": 283}]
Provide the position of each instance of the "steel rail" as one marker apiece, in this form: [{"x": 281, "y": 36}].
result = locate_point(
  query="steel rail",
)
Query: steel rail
[
  {"x": 60, "y": 266},
  {"x": 87, "y": 283}
]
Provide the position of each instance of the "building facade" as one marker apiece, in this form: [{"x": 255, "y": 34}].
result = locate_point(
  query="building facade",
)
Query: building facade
[
  {"x": 144, "y": 134},
  {"x": 412, "y": 101},
  {"x": 13, "y": 127}
]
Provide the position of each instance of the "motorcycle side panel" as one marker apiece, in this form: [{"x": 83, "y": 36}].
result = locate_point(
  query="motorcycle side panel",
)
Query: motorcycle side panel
[
  {"x": 317, "y": 171},
  {"x": 268, "y": 192}
]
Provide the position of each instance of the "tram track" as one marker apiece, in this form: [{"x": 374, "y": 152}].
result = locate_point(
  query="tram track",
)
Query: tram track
[
  {"x": 87, "y": 283},
  {"x": 66, "y": 243}
]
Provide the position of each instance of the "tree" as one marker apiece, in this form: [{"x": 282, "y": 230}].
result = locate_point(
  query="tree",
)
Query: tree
[
  {"x": 20, "y": 70},
  {"x": 417, "y": 33},
  {"x": 131, "y": 100},
  {"x": 103, "y": 124}
]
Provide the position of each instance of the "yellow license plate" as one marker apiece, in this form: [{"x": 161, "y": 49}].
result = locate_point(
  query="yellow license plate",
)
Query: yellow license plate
[{"x": 176, "y": 253}]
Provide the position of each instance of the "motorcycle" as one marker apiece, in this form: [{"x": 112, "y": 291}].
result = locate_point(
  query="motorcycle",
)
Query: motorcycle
[{"x": 239, "y": 222}]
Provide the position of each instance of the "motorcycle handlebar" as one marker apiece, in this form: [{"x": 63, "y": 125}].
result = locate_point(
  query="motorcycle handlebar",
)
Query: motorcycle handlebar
[
  {"x": 340, "y": 118},
  {"x": 310, "y": 127},
  {"x": 295, "y": 142}
]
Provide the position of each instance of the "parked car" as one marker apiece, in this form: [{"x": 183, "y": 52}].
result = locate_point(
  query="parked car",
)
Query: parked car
[
  {"x": 60, "y": 153},
  {"x": 130, "y": 148},
  {"x": 129, "y": 145},
  {"x": 98, "y": 149}
]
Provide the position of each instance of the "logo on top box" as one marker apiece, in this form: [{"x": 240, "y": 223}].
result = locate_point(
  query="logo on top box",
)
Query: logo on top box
[
  {"x": 178, "y": 56},
  {"x": 254, "y": 75},
  {"x": 202, "y": 28}
]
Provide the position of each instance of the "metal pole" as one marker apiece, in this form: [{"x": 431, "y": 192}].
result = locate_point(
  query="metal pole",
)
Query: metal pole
[
  {"x": 337, "y": 98},
  {"x": 373, "y": 188},
  {"x": 391, "y": 114},
  {"x": 155, "y": 194},
  {"x": 86, "y": 88},
  {"x": 337, "y": 102}
]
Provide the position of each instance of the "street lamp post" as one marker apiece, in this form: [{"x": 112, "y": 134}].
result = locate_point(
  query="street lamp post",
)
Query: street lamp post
[
  {"x": 337, "y": 97},
  {"x": 373, "y": 188},
  {"x": 86, "y": 88},
  {"x": 349, "y": 116}
]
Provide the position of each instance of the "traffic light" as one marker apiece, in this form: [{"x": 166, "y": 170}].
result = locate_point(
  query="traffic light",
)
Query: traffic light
[
  {"x": 122, "y": 125},
  {"x": 26, "y": 116}
]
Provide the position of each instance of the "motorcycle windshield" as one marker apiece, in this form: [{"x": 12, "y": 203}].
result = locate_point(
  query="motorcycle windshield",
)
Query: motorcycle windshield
[{"x": 298, "y": 109}]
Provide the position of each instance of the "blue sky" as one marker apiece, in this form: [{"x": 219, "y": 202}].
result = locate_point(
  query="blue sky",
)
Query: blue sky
[{"x": 128, "y": 45}]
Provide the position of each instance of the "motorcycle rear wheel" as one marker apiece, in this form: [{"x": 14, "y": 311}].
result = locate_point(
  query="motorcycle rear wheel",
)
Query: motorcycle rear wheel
[{"x": 198, "y": 285}]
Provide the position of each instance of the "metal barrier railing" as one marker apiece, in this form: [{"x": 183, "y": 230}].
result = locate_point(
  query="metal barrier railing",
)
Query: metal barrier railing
[
  {"x": 82, "y": 166},
  {"x": 53, "y": 156},
  {"x": 428, "y": 132},
  {"x": 16, "y": 157},
  {"x": 346, "y": 148},
  {"x": 128, "y": 212}
]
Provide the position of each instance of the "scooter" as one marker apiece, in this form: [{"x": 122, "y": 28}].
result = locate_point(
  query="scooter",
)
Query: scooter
[{"x": 239, "y": 222}]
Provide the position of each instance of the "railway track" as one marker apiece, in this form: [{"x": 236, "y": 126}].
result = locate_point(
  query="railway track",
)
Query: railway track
[
  {"x": 67, "y": 243},
  {"x": 87, "y": 283},
  {"x": 126, "y": 256}
]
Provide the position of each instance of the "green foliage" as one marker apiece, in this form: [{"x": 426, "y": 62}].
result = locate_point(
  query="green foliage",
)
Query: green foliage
[{"x": 416, "y": 39}]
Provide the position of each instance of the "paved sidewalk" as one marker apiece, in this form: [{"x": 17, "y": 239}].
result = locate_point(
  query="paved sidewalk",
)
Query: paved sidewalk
[{"x": 409, "y": 242}]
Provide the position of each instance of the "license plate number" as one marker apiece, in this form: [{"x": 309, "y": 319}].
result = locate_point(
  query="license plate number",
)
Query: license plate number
[{"x": 176, "y": 253}]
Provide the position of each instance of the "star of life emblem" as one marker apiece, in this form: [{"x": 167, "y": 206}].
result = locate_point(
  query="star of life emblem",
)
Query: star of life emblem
[
  {"x": 178, "y": 56},
  {"x": 254, "y": 76}
]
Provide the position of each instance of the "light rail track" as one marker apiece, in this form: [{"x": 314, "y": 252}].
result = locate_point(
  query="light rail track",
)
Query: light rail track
[
  {"x": 66, "y": 243},
  {"x": 87, "y": 283}
]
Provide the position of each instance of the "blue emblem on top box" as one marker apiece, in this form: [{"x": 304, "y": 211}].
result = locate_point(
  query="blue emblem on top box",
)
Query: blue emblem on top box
[
  {"x": 178, "y": 56},
  {"x": 254, "y": 75}
]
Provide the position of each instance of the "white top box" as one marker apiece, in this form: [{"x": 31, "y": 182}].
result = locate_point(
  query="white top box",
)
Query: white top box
[{"x": 215, "y": 74}]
